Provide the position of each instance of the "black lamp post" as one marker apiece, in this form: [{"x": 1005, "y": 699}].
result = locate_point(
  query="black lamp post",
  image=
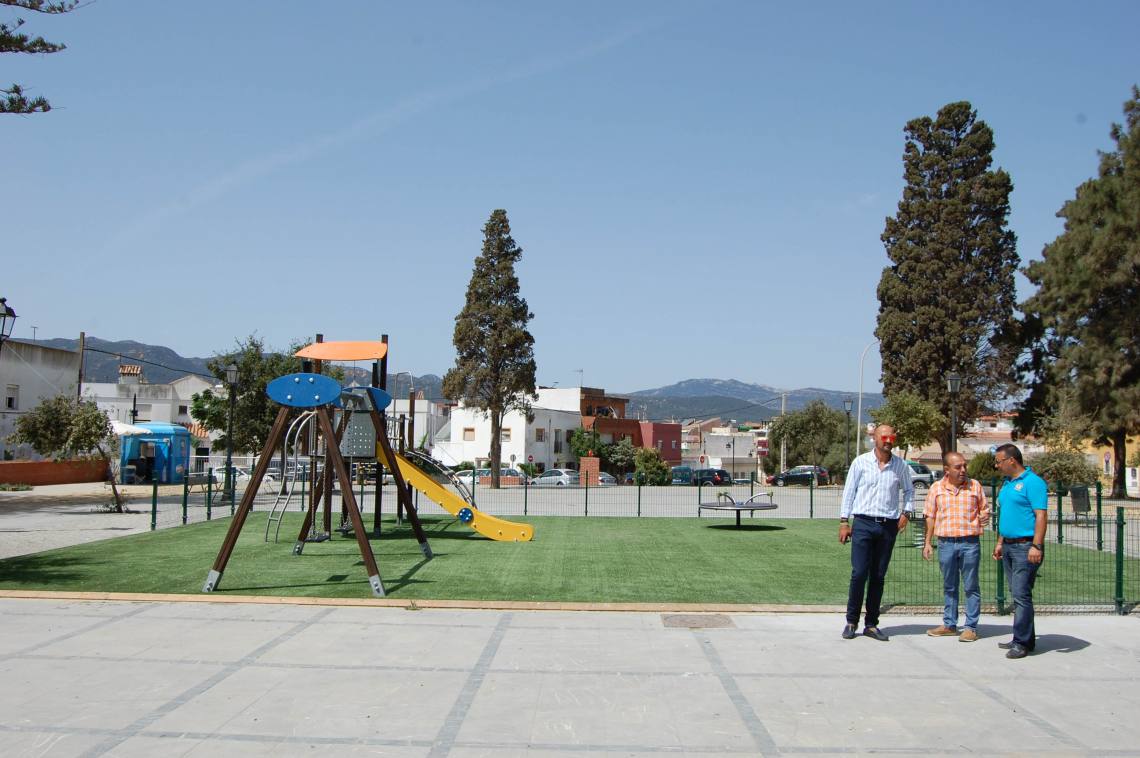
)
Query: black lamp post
[
  {"x": 231, "y": 380},
  {"x": 847, "y": 433},
  {"x": 7, "y": 321},
  {"x": 953, "y": 384}
]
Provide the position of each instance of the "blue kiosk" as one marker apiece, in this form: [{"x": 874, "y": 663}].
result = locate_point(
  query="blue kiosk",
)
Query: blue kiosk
[{"x": 163, "y": 455}]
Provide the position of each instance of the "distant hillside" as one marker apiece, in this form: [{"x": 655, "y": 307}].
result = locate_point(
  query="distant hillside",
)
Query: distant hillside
[
  {"x": 730, "y": 398},
  {"x": 161, "y": 365}
]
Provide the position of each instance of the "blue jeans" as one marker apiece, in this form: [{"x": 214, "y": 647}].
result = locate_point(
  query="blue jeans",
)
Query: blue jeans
[
  {"x": 960, "y": 556},
  {"x": 871, "y": 545},
  {"x": 1021, "y": 574}
]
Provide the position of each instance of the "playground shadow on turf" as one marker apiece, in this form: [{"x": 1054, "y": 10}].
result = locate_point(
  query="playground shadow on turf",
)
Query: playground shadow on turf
[
  {"x": 748, "y": 527},
  {"x": 43, "y": 571}
]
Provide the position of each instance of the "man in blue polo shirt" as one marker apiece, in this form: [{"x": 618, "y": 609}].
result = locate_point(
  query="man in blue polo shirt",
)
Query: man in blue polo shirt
[{"x": 1024, "y": 516}]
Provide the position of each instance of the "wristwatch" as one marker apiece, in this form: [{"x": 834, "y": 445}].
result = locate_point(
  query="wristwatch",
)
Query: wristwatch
[
  {"x": 842, "y": 521},
  {"x": 1039, "y": 547}
]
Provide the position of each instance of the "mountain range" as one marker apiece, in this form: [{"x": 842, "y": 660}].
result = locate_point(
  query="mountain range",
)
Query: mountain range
[{"x": 688, "y": 399}]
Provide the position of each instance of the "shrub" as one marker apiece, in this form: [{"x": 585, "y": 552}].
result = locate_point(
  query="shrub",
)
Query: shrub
[
  {"x": 1060, "y": 468},
  {"x": 981, "y": 467}
]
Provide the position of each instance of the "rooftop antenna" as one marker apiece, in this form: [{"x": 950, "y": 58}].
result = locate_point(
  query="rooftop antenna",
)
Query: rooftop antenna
[{"x": 581, "y": 373}]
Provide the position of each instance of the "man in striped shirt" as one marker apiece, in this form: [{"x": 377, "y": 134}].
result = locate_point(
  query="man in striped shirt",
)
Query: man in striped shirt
[
  {"x": 957, "y": 512},
  {"x": 871, "y": 517}
]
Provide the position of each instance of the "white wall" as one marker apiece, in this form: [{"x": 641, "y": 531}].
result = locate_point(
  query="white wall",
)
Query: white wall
[
  {"x": 28, "y": 374},
  {"x": 523, "y": 437}
]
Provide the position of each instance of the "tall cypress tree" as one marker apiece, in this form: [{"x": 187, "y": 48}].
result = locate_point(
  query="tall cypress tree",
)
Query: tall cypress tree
[
  {"x": 494, "y": 362},
  {"x": 946, "y": 301},
  {"x": 1087, "y": 307}
]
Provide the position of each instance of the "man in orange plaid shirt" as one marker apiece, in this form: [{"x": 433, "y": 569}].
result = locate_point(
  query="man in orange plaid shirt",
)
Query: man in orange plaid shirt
[{"x": 957, "y": 512}]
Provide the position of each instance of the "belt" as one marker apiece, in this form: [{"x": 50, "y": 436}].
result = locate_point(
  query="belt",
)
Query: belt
[
  {"x": 876, "y": 519},
  {"x": 1016, "y": 539},
  {"x": 968, "y": 538}
]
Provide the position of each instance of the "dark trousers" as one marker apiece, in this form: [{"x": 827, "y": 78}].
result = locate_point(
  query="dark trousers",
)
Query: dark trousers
[
  {"x": 871, "y": 545},
  {"x": 1022, "y": 575}
]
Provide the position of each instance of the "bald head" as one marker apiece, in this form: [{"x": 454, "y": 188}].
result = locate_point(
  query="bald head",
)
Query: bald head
[{"x": 954, "y": 465}]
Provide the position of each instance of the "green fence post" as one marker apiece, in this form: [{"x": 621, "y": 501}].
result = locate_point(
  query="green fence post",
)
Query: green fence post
[
  {"x": 1120, "y": 560},
  {"x": 472, "y": 484},
  {"x": 1060, "y": 521},
  {"x": 638, "y": 497},
  {"x": 999, "y": 595},
  {"x": 185, "y": 497},
  {"x": 210, "y": 491},
  {"x": 154, "y": 505},
  {"x": 587, "y": 495},
  {"x": 1099, "y": 520},
  {"x": 526, "y": 489},
  {"x": 811, "y": 496},
  {"x": 752, "y": 484}
]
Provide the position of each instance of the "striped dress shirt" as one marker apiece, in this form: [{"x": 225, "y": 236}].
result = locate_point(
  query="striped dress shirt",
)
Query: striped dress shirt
[
  {"x": 957, "y": 511},
  {"x": 874, "y": 491}
]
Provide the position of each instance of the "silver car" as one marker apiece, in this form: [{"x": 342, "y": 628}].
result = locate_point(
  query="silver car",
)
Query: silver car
[{"x": 557, "y": 477}]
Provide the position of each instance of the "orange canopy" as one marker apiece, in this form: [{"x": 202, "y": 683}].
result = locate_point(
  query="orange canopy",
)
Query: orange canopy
[{"x": 344, "y": 351}]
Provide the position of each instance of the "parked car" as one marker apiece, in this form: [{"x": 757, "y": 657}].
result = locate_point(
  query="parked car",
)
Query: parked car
[
  {"x": 715, "y": 476},
  {"x": 920, "y": 475},
  {"x": 682, "y": 475},
  {"x": 606, "y": 480},
  {"x": 799, "y": 475},
  {"x": 557, "y": 477}
]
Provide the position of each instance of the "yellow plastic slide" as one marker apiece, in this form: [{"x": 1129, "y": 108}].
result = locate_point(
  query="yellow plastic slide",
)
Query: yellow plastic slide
[{"x": 488, "y": 526}]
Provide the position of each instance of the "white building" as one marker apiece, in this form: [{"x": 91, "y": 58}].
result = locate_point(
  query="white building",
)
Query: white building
[
  {"x": 30, "y": 373},
  {"x": 555, "y": 413},
  {"x": 133, "y": 399}
]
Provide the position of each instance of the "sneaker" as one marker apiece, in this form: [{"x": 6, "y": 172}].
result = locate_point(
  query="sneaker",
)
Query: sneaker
[
  {"x": 1005, "y": 645},
  {"x": 1016, "y": 651},
  {"x": 849, "y": 632},
  {"x": 942, "y": 631},
  {"x": 875, "y": 633},
  {"x": 968, "y": 635}
]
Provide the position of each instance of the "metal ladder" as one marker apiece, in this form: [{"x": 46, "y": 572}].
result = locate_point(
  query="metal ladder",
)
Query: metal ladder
[{"x": 289, "y": 483}]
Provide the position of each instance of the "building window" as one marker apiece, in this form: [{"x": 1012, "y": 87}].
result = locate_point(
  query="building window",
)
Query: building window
[
  {"x": 505, "y": 435},
  {"x": 540, "y": 434},
  {"x": 658, "y": 444},
  {"x": 12, "y": 397},
  {"x": 557, "y": 441},
  {"x": 674, "y": 444},
  {"x": 468, "y": 434},
  {"x": 183, "y": 410}
]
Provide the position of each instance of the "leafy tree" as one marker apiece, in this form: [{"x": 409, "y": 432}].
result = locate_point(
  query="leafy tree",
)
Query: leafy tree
[
  {"x": 650, "y": 468},
  {"x": 254, "y": 412},
  {"x": 13, "y": 99},
  {"x": 1083, "y": 323},
  {"x": 946, "y": 301},
  {"x": 916, "y": 421},
  {"x": 584, "y": 442},
  {"x": 60, "y": 427},
  {"x": 809, "y": 433},
  {"x": 982, "y": 468},
  {"x": 621, "y": 456},
  {"x": 494, "y": 364},
  {"x": 1061, "y": 467}
]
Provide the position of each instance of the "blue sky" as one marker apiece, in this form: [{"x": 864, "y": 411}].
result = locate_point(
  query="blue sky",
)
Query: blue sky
[{"x": 698, "y": 188}]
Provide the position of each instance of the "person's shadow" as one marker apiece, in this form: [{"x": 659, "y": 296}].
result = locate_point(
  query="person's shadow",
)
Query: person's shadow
[{"x": 1046, "y": 643}]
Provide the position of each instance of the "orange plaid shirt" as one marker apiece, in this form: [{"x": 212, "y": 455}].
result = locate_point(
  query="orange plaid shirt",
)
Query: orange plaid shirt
[{"x": 957, "y": 511}]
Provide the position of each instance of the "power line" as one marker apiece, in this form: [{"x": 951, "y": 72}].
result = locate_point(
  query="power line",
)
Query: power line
[{"x": 149, "y": 363}]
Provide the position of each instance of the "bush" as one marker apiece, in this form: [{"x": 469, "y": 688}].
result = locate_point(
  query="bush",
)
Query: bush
[
  {"x": 652, "y": 470},
  {"x": 981, "y": 467},
  {"x": 1061, "y": 468}
]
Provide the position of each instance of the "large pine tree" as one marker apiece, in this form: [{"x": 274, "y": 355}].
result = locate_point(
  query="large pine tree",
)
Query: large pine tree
[
  {"x": 1087, "y": 306},
  {"x": 494, "y": 363},
  {"x": 13, "y": 99},
  {"x": 946, "y": 301}
]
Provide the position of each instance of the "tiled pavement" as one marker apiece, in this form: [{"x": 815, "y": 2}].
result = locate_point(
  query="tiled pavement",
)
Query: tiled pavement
[{"x": 87, "y": 678}]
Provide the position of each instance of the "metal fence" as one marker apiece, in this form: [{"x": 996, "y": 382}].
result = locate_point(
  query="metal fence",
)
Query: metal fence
[{"x": 1092, "y": 560}]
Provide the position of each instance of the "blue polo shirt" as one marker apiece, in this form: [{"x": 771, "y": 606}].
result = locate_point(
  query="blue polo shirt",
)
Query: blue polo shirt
[{"x": 1018, "y": 499}]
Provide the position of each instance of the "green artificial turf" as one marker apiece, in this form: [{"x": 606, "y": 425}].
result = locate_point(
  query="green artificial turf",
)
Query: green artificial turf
[{"x": 681, "y": 560}]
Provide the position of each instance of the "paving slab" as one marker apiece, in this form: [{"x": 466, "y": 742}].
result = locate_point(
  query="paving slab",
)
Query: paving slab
[{"x": 89, "y": 678}]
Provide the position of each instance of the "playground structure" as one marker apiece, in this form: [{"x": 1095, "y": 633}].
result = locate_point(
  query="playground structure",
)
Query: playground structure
[{"x": 310, "y": 398}]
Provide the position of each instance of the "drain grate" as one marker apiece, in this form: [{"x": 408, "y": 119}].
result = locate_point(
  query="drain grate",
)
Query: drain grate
[{"x": 697, "y": 620}]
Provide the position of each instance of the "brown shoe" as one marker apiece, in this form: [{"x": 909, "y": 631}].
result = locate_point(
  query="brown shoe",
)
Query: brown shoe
[
  {"x": 942, "y": 631},
  {"x": 968, "y": 635}
]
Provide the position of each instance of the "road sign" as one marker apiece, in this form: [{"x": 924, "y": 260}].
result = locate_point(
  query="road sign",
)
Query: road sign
[
  {"x": 530, "y": 459},
  {"x": 702, "y": 459}
]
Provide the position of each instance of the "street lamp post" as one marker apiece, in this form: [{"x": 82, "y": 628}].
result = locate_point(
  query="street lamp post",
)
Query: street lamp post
[
  {"x": 7, "y": 321},
  {"x": 953, "y": 384},
  {"x": 231, "y": 381},
  {"x": 847, "y": 433}
]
